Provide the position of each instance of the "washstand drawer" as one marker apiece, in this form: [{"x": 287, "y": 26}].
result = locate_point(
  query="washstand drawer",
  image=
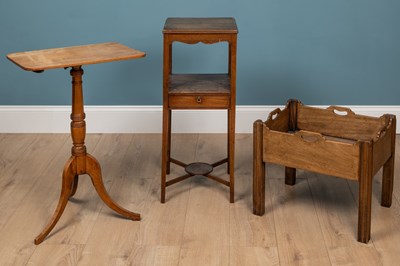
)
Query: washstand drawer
[{"x": 199, "y": 101}]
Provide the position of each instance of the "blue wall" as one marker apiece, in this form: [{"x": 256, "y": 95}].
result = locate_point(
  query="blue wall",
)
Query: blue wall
[{"x": 320, "y": 51}]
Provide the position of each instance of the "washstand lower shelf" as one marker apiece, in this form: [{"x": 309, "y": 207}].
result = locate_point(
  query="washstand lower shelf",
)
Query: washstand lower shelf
[{"x": 199, "y": 168}]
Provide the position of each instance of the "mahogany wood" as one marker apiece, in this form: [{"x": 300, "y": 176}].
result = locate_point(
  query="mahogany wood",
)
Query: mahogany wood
[
  {"x": 258, "y": 169},
  {"x": 332, "y": 141},
  {"x": 172, "y": 160},
  {"x": 80, "y": 161},
  {"x": 220, "y": 162},
  {"x": 219, "y": 180},
  {"x": 177, "y": 179},
  {"x": 365, "y": 192},
  {"x": 199, "y": 101},
  {"x": 198, "y": 91},
  {"x": 388, "y": 171},
  {"x": 290, "y": 176}
]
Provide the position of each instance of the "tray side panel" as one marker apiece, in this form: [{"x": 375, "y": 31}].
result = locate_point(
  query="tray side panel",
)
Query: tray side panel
[
  {"x": 328, "y": 157},
  {"x": 327, "y": 122}
]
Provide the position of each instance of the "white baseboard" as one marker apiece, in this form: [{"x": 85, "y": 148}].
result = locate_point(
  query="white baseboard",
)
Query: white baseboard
[{"x": 145, "y": 119}]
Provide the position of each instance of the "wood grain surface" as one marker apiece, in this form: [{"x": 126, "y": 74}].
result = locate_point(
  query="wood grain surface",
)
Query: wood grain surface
[{"x": 40, "y": 60}]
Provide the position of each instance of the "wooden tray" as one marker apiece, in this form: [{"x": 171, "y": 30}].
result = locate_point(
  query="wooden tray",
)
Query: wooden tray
[{"x": 332, "y": 141}]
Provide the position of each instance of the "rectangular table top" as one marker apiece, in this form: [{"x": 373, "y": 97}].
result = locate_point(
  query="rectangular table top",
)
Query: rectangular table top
[
  {"x": 200, "y": 25},
  {"x": 40, "y": 60}
]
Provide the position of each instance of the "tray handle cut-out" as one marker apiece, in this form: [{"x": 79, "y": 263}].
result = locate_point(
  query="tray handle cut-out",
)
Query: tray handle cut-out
[
  {"x": 310, "y": 137},
  {"x": 339, "y": 110},
  {"x": 274, "y": 114}
]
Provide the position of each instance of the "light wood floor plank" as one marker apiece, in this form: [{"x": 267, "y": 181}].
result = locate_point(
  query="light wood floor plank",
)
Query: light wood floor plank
[
  {"x": 37, "y": 203},
  {"x": 12, "y": 146},
  {"x": 56, "y": 254},
  {"x": 385, "y": 233},
  {"x": 338, "y": 216},
  {"x": 311, "y": 223},
  {"x": 206, "y": 255},
  {"x": 111, "y": 241},
  {"x": 206, "y": 233},
  {"x": 246, "y": 229},
  {"x": 163, "y": 224},
  {"x": 12, "y": 149},
  {"x": 299, "y": 237},
  {"x": 112, "y": 237},
  {"x": 145, "y": 154},
  {"x": 155, "y": 256},
  {"x": 253, "y": 256},
  {"x": 21, "y": 173}
]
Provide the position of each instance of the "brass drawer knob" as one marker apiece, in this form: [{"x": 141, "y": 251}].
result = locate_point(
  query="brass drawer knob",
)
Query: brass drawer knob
[{"x": 198, "y": 99}]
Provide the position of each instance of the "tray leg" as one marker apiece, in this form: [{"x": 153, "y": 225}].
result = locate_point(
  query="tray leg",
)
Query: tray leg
[
  {"x": 258, "y": 170},
  {"x": 388, "y": 169},
  {"x": 365, "y": 193},
  {"x": 290, "y": 176},
  {"x": 387, "y": 182}
]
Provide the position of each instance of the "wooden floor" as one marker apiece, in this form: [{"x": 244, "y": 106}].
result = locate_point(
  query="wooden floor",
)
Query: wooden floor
[{"x": 311, "y": 223}]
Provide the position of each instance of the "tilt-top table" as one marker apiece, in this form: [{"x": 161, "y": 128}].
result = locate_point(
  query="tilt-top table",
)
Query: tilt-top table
[{"x": 80, "y": 161}]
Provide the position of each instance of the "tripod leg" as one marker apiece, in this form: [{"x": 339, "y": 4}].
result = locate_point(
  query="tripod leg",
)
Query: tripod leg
[
  {"x": 74, "y": 185},
  {"x": 94, "y": 171},
  {"x": 67, "y": 180}
]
